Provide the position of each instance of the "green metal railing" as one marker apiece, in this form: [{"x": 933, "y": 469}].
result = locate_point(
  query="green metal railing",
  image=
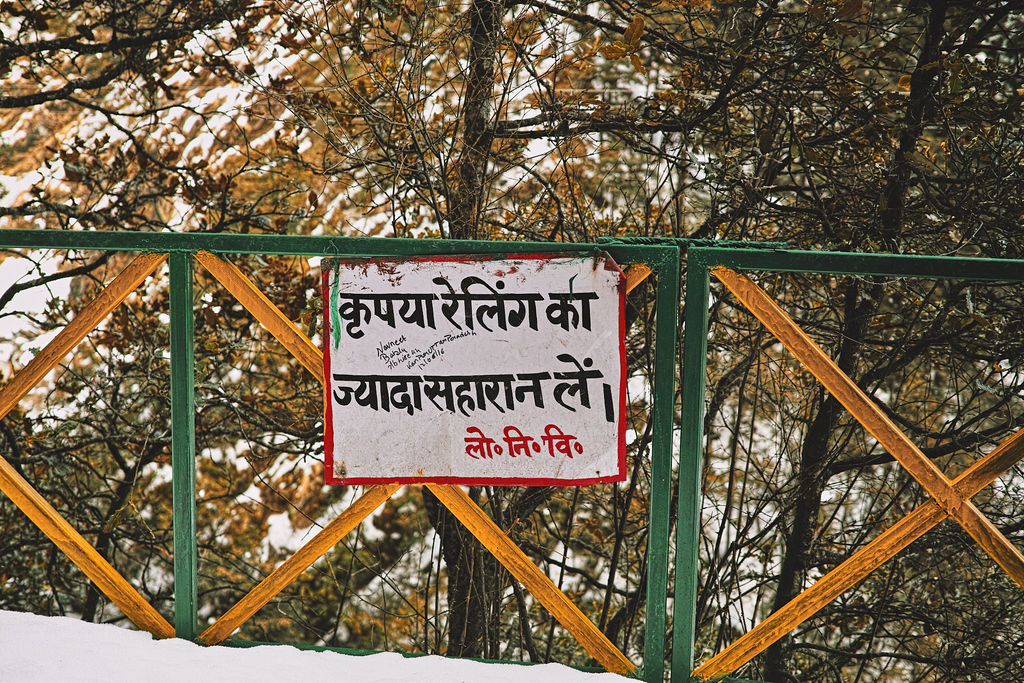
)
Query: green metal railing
[
  {"x": 702, "y": 261},
  {"x": 662, "y": 259},
  {"x": 726, "y": 260}
]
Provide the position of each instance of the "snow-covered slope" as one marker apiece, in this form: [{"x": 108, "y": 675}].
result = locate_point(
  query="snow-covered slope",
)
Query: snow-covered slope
[{"x": 46, "y": 649}]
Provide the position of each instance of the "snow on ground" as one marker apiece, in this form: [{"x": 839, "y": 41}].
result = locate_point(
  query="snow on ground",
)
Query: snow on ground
[{"x": 45, "y": 649}]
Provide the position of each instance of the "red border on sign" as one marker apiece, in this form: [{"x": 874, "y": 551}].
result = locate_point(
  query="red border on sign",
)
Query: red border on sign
[{"x": 493, "y": 481}]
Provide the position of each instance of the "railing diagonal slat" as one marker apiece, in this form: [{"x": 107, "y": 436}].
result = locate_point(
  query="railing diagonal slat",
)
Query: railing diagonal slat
[
  {"x": 28, "y": 500},
  {"x": 454, "y": 498},
  {"x": 949, "y": 499}
]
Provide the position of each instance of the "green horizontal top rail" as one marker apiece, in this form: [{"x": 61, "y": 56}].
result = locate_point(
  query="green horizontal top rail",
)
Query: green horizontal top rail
[
  {"x": 313, "y": 245},
  {"x": 688, "y": 242},
  {"x": 857, "y": 263},
  {"x": 662, "y": 258}
]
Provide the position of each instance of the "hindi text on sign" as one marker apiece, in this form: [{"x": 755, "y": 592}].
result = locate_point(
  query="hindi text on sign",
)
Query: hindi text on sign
[{"x": 468, "y": 370}]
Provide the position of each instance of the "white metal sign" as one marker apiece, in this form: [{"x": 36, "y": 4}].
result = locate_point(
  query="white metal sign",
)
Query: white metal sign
[{"x": 474, "y": 371}]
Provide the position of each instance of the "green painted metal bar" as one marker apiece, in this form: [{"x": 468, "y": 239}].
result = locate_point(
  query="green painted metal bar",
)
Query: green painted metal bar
[
  {"x": 762, "y": 257},
  {"x": 687, "y": 242},
  {"x": 666, "y": 324},
  {"x": 856, "y": 263},
  {"x": 766, "y": 256},
  {"x": 299, "y": 245},
  {"x": 691, "y": 448},
  {"x": 183, "y": 461}
]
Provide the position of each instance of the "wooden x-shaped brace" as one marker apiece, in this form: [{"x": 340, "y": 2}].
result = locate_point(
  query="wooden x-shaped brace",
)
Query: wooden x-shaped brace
[
  {"x": 948, "y": 498},
  {"x": 28, "y": 500},
  {"x": 128, "y": 599},
  {"x": 453, "y": 497}
]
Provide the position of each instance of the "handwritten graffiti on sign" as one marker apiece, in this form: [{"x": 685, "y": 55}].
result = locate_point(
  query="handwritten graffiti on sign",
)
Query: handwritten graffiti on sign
[{"x": 474, "y": 371}]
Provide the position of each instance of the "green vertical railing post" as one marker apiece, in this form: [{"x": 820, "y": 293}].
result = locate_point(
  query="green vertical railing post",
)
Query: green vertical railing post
[
  {"x": 183, "y": 461},
  {"x": 666, "y": 322},
  {"x": 691, "y": 447}
]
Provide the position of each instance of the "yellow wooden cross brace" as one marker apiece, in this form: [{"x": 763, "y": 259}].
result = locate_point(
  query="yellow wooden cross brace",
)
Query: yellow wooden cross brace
[
  {"x": 300, "y": 561},
  {"x": 28, "y": 500},
  {"x": 454, "y": 498},
  {"x": 948, "y": 498}
]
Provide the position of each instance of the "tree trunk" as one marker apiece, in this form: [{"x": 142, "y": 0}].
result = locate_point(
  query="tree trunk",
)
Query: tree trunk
[
  {"x": 475, "y": 579},
  {"x": 466, "y": 198},
  {"x": 475, "y": 583},
  {"x": 802, "y": 514}
]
